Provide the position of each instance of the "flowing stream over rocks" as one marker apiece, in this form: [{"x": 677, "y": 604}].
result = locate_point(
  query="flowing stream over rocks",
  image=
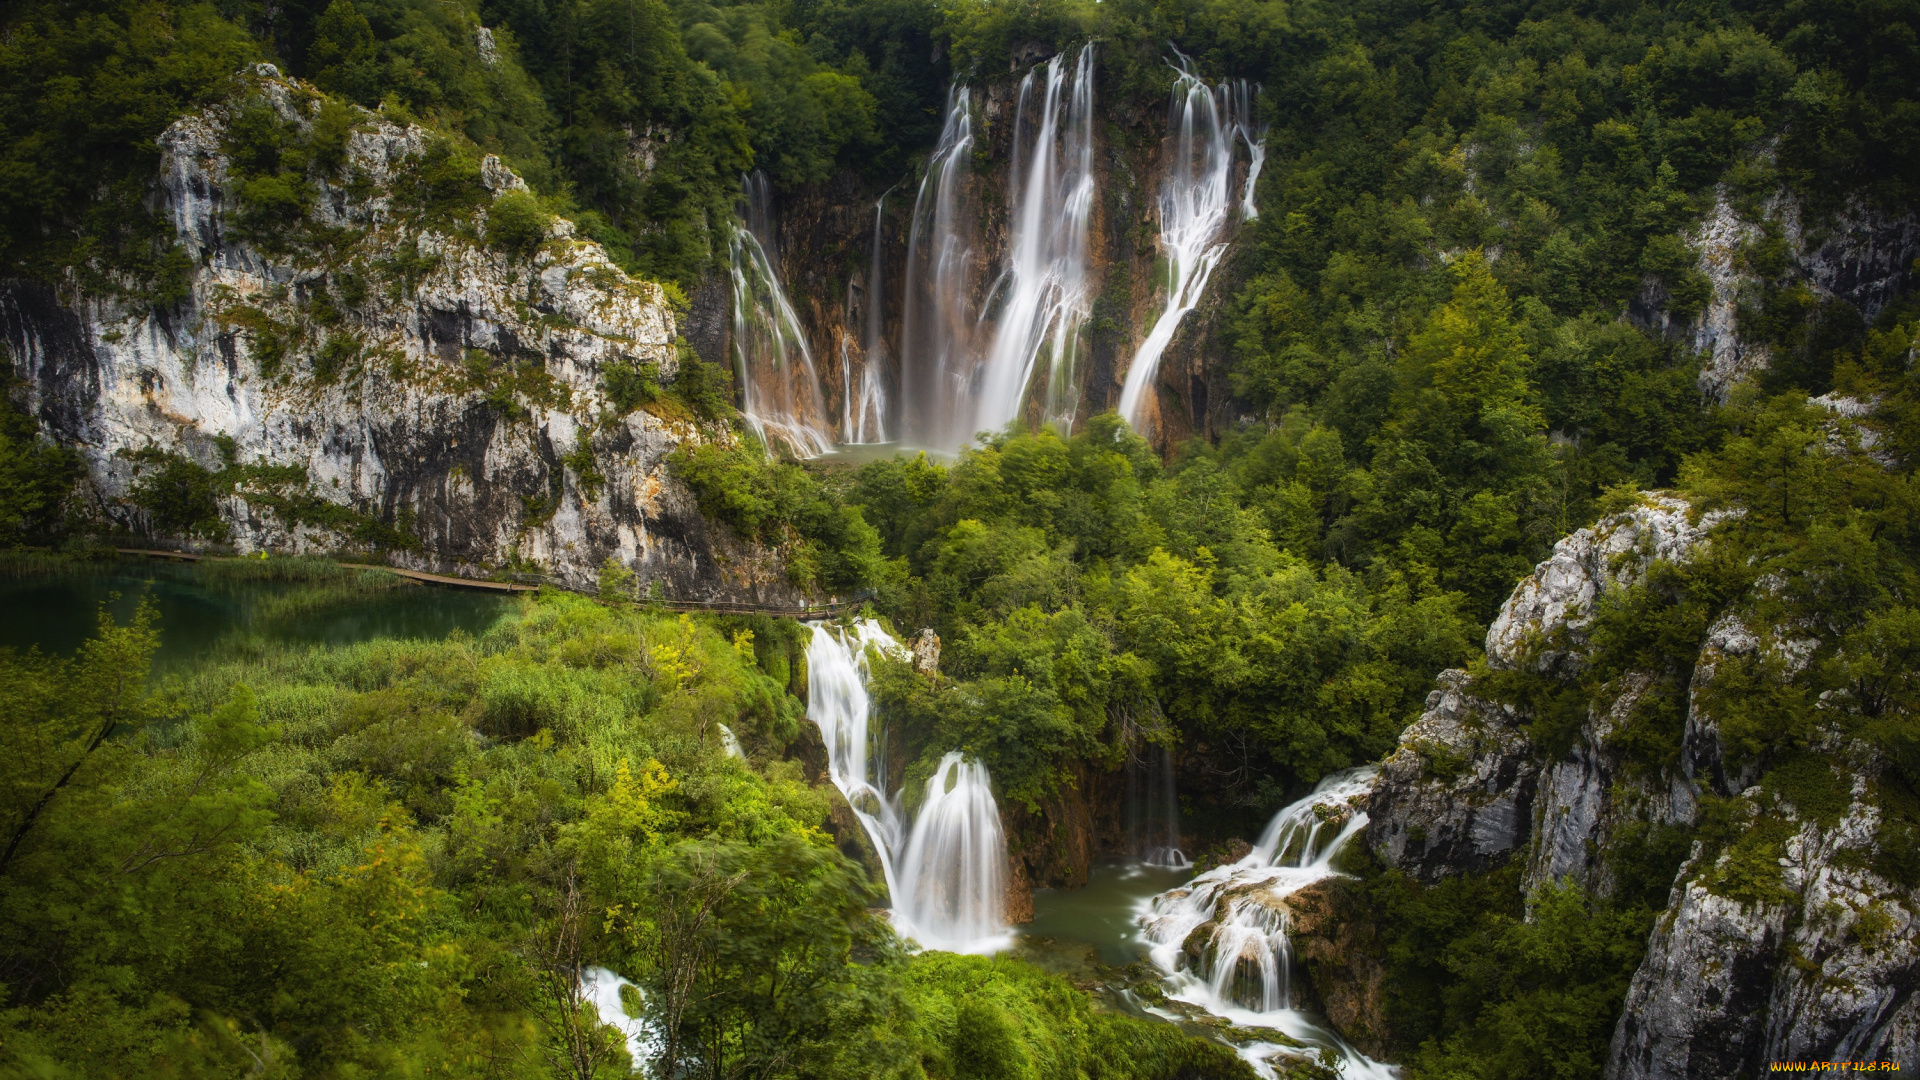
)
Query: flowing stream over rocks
[
  {"x": 1197, "y": 205},
  {"x": 1222, "y": 937},
  {"x": 947, "y": 875}
]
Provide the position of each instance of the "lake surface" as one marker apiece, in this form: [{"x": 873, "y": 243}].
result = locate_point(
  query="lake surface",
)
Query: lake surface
[
  {"x": 199, "y": 608},
  {"x": 1104, "y": 913}
]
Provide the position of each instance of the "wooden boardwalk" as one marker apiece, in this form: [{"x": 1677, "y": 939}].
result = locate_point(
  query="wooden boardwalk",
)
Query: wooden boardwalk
[{"x": 710, "y": 607}]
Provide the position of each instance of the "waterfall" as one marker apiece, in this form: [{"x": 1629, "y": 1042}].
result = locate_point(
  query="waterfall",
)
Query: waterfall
[
  {"x": 1042, "y": 300},
  {"x": 936, "y": 327},
  {"x": 1153, "y": 808},
  {"x": 953, "y": 874},
  {"x": 1196, "y": 206},
  {"x": 967, "y": 369},
  {"x": 779, "y": 385},
  {"x": 947, "y": 877},
  {"x": 602, "y": 989},
  {"x": 1244, "y": 970},
  {"x": 863, "y": 404}
]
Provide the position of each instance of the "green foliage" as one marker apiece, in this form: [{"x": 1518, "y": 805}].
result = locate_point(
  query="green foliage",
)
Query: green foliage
[
  {"x": 1540, "y": 996},
  {"x": 1090, "y": 598},
  {"x": 182, "y": 497},
  {"x": 516, "y": 223},
  {"x": 706, "y": 389},
  {"x": 395, "y": 856},
  {"x": 84, "y": 91},
  {"x": 998, "y": 1019},
  {"x": 629, "y": 386},
  {"x": 826, "y": 542},
  {"x": 35, "y": 477}
]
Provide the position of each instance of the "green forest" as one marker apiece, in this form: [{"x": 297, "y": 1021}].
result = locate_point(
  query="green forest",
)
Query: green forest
[{"x": 395, "y": 857}]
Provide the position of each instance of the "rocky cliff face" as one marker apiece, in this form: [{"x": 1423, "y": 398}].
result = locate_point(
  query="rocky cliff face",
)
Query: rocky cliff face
[
  {"x": 1859, "y": 256},
  {"x": 1818, "y": 965},
  {"x": 405, "y": 379}
]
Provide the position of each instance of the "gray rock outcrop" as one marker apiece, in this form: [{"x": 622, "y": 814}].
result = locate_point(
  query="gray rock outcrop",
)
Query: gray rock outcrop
[
  {"x": 1786, "y": 944},
  {"x": 415, "y": 378}
]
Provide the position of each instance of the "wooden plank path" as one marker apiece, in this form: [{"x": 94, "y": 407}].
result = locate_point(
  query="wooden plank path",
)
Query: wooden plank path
[
  {"x": 712, "y": 607},
  {"x": 443, "y": 579}
]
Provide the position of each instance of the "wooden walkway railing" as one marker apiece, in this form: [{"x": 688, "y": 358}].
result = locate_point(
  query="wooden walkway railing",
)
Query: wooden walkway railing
[{"x": 713, "y": 607}]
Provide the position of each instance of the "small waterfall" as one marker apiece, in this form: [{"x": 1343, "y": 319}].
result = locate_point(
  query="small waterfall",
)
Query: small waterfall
[
  {"x": 1244, "y": 972},
  {"x": 947, "y": 877},
  {"x": 1153, "y": 808},
  {"x": 936, "y": 325},
  {"x": 953, "y": 874},
  {"x": 1196, "y": 207},
  {"x": 1042, "y": 300},
  {"x": 602, "y": 989},
  {"x": 779, "y": 384}
]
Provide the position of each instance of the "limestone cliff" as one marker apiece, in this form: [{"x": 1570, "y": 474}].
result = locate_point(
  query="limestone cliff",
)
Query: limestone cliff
[
  {"x": 1820, "y": 964},
  {"x": 390, "y": 375}
]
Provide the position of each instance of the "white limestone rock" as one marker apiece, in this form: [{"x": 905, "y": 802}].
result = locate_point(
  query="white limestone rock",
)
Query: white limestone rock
[{"x": 404, "y": 433}]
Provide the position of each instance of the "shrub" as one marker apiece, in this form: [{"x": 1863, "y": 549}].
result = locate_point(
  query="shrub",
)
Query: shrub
[{"x": 517, "y": 224}]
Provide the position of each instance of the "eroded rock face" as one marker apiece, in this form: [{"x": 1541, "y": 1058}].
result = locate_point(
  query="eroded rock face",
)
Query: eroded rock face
[
  {"x": 1821, "y": 965},
  {"x": 1860, "y": 256},
  {"x": 377, "y": 367},
  {"x": 1560, "y": 593},
  {"x": 1457, "y": 795},
  {"x": 1698, "y": 1001},
  {"x": 1344, "y": 962}
]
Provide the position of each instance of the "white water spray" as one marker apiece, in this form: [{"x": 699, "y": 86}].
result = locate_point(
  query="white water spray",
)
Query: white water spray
[
  {"x": 1244, "y": 972},
  {"x": 953, "y": 873},
  {"x": 967, "y": 364},
  {"x": 947, "y": 877},
  {"x": 602, "y": 989},
  {"x": 1196, "y": 207},
  {"x": 779, "y": 385},
  {"x": 936, "y": 325},
  {"x": 1042, "y": 302}
]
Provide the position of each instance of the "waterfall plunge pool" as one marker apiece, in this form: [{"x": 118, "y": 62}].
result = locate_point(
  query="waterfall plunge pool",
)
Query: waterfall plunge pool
[{"x": 1106, "y": 912}]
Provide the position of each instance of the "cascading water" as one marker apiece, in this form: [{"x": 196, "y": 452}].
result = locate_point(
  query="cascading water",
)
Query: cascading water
[
  {"x": 779, "y": 385},
  {"x": 1040, "y": 303},
  {"x": 1153, "y": 808},
  {"x": 953, "y": 874},
  {"x": 601, "y": 988},
  {"x": 863, "y": 411},
  {"x": 1244, "y": 972},
  {"x": 965, "y": 371},
  {"x": 1196, "y": 207},
  {"x": 936, "y": 326},
  {"x": 948, "y": 876}
]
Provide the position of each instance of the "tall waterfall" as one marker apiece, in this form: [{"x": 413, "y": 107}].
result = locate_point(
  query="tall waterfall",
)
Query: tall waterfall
[
  {"x": 1196, "y": 207},
  {"x": 779, "y": 384},
  {"x": 964, "y": 369},
  {"x": 947, "y": 877},
  {"x": 1040, "y": 303},
  {"x": 1244, "y": 971},
  {"x": 936, "y": 325},
  {"x": 863, "y": 410}
]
